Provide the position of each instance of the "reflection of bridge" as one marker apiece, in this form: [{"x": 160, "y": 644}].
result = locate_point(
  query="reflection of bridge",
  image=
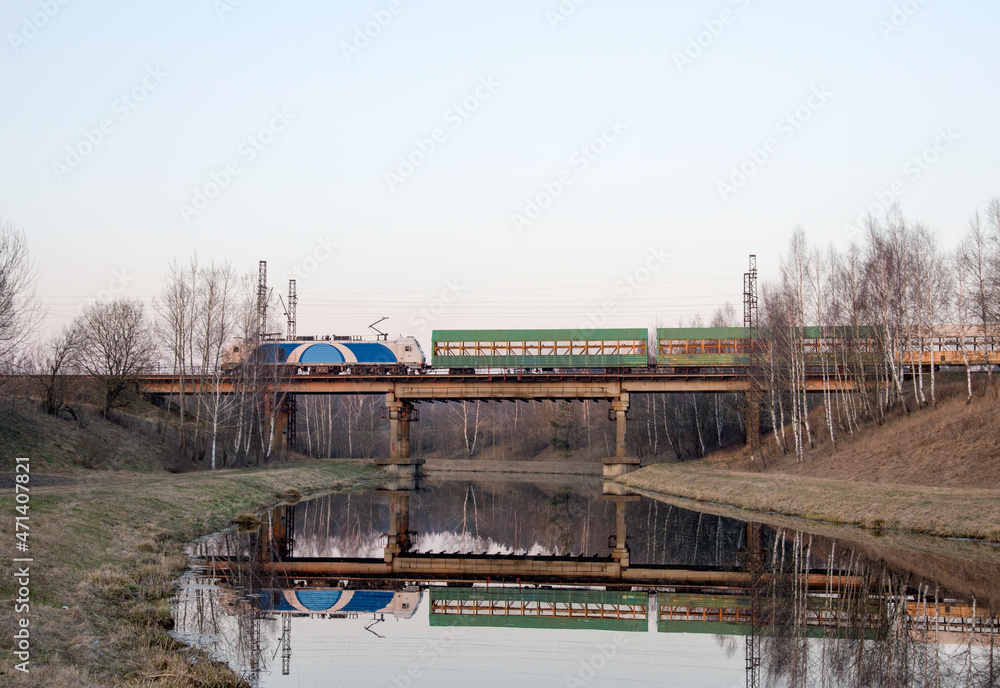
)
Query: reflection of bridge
[{"x": 274, "y": 560}]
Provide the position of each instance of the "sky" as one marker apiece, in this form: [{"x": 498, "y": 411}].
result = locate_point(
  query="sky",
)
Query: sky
[{"x": 483, "y": 164}]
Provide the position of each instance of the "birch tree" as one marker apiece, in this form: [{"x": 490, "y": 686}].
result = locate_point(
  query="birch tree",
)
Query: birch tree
[
  {"x": 981, "y": 291},
  {"x": 176, "y": 308},
  {"x": 467, "y": 418},
  {"x": 936, "y": 276},
  {"x": 215, "y": 328}
]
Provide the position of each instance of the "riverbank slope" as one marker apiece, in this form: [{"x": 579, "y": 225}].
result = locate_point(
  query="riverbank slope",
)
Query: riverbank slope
[
  {"x": 107, "y": 548},
  {"x": 933, "y": 471}
]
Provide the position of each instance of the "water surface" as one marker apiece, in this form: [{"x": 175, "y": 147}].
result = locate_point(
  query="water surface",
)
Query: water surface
[{"x": 514, "y": 582}]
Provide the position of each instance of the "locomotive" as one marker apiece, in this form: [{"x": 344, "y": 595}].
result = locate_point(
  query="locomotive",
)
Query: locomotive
[{"x": 336, "y": 354}]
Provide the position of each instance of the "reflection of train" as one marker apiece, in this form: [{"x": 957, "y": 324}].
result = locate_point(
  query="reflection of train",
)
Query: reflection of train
[
  {"x": 692, "y": 350},
  {"x": 340, "y": 603}
]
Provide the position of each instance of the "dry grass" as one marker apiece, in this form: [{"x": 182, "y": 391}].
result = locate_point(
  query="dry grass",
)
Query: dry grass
[
  {"x": 109, "y": 549},
  {"x": 290, "y": 495},
  {"x": 955, "y": 445},
  {"x": 247, "y": 521},
  {"x": 953, "y": 512},
  {"x": 934, "y": 471}
]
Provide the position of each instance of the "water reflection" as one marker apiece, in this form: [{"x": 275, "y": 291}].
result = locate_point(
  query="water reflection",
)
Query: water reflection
[{"x": 554, "y": 583}]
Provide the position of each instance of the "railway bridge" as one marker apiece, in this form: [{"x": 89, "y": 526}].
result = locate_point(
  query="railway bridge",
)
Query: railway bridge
[{"x": 403, "y": 391}]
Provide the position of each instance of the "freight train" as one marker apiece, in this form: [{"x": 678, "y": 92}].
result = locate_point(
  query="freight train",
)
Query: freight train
[{"x": 613, "y": 351}]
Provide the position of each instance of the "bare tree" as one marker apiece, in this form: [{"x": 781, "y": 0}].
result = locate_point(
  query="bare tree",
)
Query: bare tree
[
  {"x": 963, "y": 308},
  {"x": 52, "y": 368},
  {"x": 935, "y": 277},
  {"x": 982, "y": 289},
  {"x": 215, "y": 327},
  {"x": 19, "y": 311},
  {"x": 461, "y": 410},
  {"x": 888, "y": 266},
  {"x": 176, "y": 308},
  {"x": 797, "y": 269},
  {"x": 117, "y": 345}
]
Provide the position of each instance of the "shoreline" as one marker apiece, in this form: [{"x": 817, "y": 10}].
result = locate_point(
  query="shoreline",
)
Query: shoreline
[
  {"x": 552, "y": 468},
  {"x": 969, "y": 513},
  {"x": 108, "y": 551}
]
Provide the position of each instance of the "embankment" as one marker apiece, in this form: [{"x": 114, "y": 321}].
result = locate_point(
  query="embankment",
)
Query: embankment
[
  {"x": 107, "y": 548},
  {"x": 933, "y": 471}
]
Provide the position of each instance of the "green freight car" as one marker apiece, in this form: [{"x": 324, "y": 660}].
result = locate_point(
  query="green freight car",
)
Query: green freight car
[
  {"x": 703, "y": 346},
  {"x": 682, "y": 347},
  {"x": 607, "y": 348}
]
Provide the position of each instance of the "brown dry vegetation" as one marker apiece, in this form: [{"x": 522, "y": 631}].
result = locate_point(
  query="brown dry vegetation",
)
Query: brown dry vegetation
[
  {"x": 91, "y": 442},
  {"x": 934, "y": 471},
  {"x": 955, "y": 445},
  {"x": 109, "y": 547},
  {"x": 953, "y": 512}
]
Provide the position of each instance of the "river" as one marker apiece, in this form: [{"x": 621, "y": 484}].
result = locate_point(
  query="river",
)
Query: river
[{"x": 556, "y": 581}]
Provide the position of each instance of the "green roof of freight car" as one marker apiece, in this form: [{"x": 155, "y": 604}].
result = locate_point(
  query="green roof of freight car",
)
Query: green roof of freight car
[
  {"x": 809, "y": 332},
  {"x": 703, "y": 333},
  {"x": 612, "y": 335}
]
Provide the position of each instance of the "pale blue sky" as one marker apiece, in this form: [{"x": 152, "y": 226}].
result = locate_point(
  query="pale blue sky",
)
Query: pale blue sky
[{"x": 323, "y": 176}]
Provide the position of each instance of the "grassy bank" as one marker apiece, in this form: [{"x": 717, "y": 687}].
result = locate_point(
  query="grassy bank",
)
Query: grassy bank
[
  {"x": 953, "y": 512},
  {"x": 107, "y": 548},
  {"x": 956, "y": 444}
]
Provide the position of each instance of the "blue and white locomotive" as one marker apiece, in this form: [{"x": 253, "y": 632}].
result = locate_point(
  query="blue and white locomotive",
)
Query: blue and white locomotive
[{"x": 334, "y": 354}]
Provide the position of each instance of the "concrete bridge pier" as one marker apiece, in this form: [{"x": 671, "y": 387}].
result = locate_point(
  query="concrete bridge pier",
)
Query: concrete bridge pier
[
  {"x": 753, "y": 553},
  {"x": 400, "y": 413},
  {"x": 619, "y": 540},
  {"x": 620, "y": 463},
  {"x": 276, "y": 536},
  {"x": 398, "y": 538}
]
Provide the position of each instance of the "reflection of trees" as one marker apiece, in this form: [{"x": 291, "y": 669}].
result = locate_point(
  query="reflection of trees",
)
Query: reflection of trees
[
  {"x": 340, "y": 525},
  {"x": 226, "y": 619},
  {"x": 868, "y": 627},
  {"x": 521, "y": 518}
]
